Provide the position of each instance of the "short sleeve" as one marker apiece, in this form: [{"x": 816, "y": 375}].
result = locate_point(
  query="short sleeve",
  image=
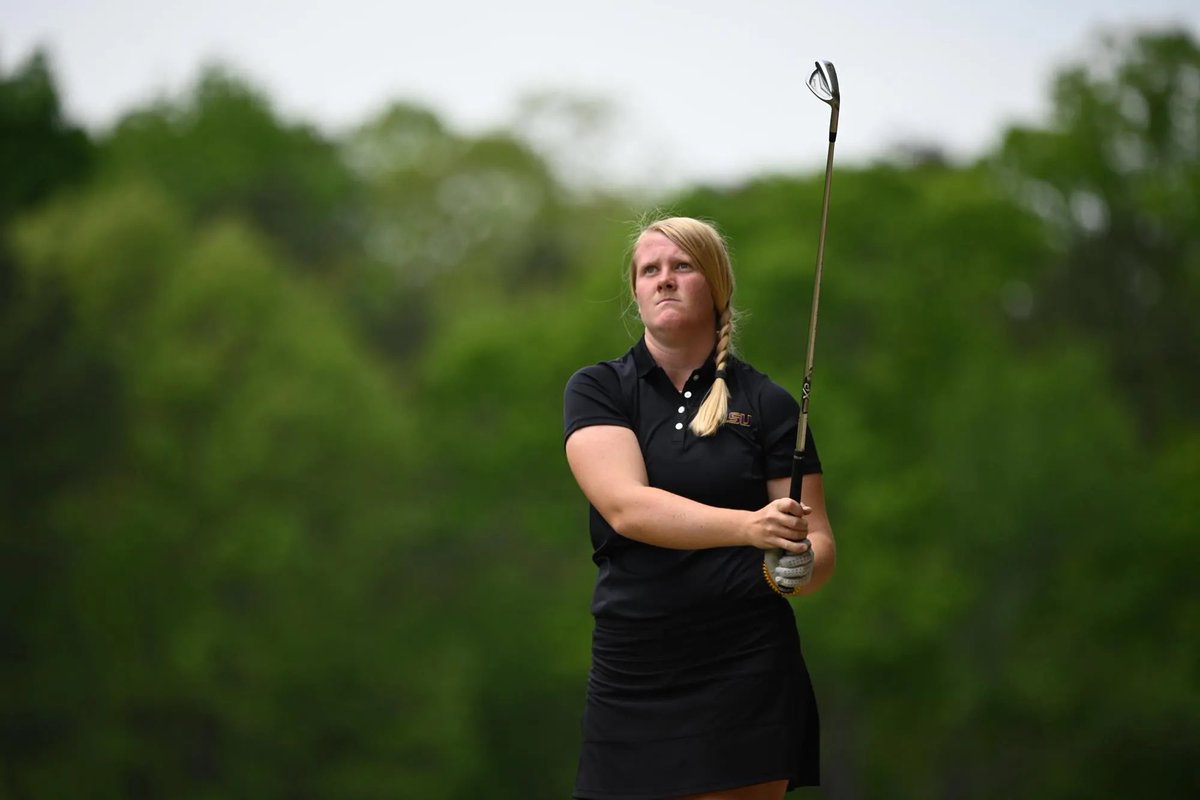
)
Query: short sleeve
[
  {"x": 593, "y": 397},
  {"x": 781, "y": 419}
]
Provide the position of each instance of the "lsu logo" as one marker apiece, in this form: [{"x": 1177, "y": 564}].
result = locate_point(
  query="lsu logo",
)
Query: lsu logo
[{"x": 738, "y": 418}]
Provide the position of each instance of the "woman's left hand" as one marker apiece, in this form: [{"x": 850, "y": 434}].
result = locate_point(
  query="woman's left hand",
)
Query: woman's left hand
[{"x": 794, "y": 569}]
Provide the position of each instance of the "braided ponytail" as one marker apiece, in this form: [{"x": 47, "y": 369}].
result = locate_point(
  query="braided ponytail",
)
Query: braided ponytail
[{"x": 712, "y": 412}]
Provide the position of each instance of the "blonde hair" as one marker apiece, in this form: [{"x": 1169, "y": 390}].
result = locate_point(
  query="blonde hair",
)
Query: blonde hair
[{"x": 709, "y": 254}]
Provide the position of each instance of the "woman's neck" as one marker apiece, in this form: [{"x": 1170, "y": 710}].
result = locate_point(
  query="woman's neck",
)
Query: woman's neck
[{"x": 679, "y": 358}]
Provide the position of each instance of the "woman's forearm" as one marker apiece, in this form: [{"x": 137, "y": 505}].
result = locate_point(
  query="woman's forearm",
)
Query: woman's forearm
[
  {"x": 658, "y": 517},
  {"x": 607, "y": 463}
]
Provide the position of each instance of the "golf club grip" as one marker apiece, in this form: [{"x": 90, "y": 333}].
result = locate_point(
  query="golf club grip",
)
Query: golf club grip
[{"x": 797, "y": 475}]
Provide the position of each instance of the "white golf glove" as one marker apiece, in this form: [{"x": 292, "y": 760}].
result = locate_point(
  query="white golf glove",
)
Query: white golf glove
[{"x": 789, "y": 571}]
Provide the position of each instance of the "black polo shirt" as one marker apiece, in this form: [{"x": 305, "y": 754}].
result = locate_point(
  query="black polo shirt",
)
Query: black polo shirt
[{"x": 728, "y": 469}]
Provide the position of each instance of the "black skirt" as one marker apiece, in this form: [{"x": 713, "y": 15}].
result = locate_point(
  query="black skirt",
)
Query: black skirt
[{"x": 694, "y": 704}]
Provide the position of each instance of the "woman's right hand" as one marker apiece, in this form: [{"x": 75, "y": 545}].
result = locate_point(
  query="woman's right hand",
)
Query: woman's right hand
[{"x": 780, "y": 524}]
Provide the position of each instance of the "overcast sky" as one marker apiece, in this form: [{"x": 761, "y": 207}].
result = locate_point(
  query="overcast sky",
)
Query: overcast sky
[{"x": 703, "y": 89}]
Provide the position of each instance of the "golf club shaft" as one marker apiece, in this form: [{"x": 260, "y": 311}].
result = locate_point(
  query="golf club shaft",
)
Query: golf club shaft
[{"x": 802, "y": 431}]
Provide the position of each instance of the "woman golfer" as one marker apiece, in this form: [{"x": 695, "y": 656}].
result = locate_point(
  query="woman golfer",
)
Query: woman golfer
[{"x": 698, "y": 687}]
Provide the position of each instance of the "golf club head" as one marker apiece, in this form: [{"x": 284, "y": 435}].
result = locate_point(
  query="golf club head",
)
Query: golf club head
[{"x": 824, "y": 83}]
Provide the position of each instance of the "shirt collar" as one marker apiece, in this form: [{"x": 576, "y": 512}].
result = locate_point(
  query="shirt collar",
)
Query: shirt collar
[
  {"x": 646, "y": 364},
  {"x": 642, "y": 359}
]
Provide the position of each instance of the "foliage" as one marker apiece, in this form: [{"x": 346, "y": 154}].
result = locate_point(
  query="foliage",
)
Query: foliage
[
  {"x": 42, "y": 152},
  {"x": 284, "y": 511},
  {"x": 221, "y": 151},
  {"x": 1116, "y": 177}
]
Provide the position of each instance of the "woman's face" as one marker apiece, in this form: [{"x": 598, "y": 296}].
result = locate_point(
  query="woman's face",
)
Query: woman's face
[{"x": 671, "y": 294}]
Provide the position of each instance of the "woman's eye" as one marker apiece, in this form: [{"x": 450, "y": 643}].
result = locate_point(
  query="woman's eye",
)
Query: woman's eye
[
  {"x": 649, "y": 269},
  {"x": 683, "y": 265}
]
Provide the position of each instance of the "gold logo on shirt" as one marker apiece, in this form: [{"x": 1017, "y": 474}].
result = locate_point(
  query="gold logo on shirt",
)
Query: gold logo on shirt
[{"x": 738, "y": 418}]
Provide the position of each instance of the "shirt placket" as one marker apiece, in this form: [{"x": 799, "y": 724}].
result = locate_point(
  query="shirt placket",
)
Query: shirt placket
[{"x": 685, "y": 410}]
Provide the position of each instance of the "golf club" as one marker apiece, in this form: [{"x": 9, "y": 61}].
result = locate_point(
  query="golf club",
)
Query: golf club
[{"x": 824, "y": 84}]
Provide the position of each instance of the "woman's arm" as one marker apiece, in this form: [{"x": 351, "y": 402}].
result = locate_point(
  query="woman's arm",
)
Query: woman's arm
[
  {"x": 820, "y": 533},
  {"x": 608, "y": 466}
]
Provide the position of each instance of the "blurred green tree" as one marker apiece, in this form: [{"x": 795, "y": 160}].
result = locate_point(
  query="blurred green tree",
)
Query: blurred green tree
[
  {"x": 223, "y": 591},
  {"x": 1116, "y": 177},
  {"x": 482, "y": 214},
  {"x": 40, "y": 150},
  {"x": 221, "y": 151}
]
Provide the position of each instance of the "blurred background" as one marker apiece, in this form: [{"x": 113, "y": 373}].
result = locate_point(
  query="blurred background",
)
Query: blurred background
[{"x": 283, "y": 505}]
